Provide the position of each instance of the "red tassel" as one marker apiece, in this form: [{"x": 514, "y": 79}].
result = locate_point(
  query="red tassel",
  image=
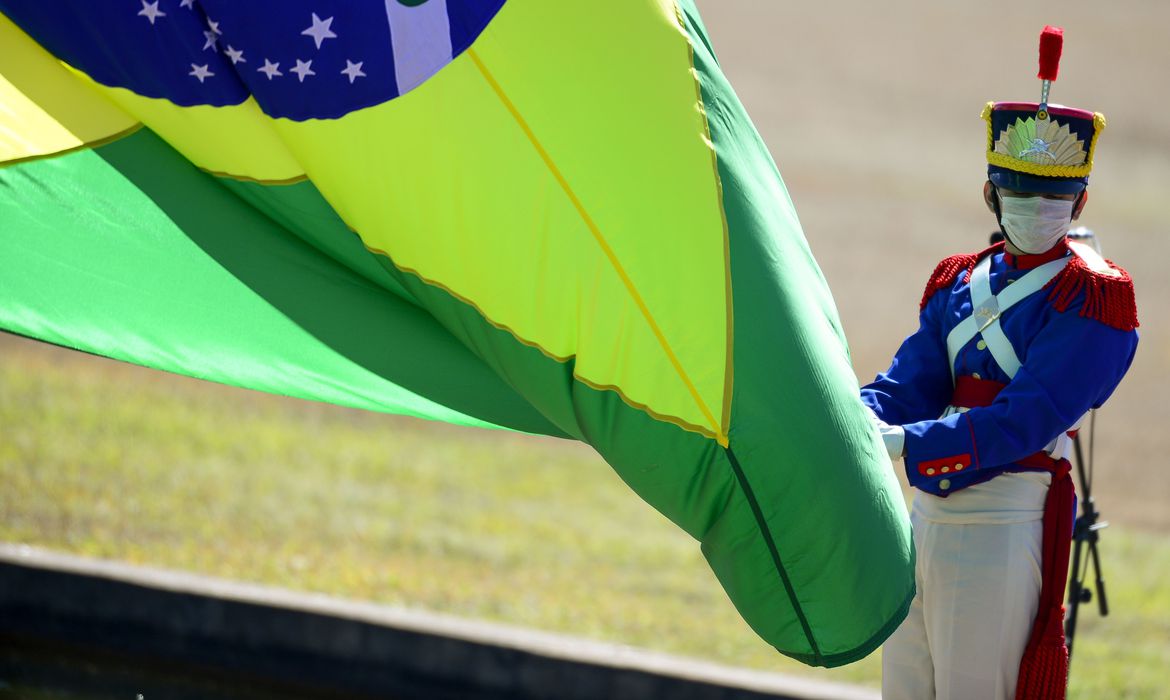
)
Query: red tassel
[
  {"x": 1051, "y": 43},
  {"x": 1044, "y": 673},
  {"x": 1107, "y": 298},
  {"x": 1044, "y": 666},
  {"x": 948, "y": 271}
]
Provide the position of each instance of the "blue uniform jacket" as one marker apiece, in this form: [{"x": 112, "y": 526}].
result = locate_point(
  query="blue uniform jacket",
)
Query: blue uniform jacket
[{"x": 1071, "y": 362}]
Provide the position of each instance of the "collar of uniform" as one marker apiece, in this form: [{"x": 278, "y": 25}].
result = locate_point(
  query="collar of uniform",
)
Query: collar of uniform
[{"x": 1028, "y": 261}]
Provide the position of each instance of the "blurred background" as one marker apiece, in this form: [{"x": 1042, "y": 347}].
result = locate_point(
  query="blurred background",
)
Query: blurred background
[{"x": 871, "y": 111}]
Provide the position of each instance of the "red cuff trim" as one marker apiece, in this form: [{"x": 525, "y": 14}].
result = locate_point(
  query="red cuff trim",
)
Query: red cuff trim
[{"x": 934, "y": 467}]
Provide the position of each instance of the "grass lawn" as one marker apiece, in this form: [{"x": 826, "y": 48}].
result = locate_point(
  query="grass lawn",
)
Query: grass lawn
[{"x": 103, "y": 459}]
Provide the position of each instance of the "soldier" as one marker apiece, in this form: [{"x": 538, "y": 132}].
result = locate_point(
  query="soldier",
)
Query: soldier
[{"x": 1015, "y": 345}]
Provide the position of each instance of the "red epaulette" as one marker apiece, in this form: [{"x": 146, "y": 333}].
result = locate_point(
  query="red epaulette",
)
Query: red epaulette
[
  {"x": 1108, "y": 294},
  {"x": 948, "y": 271}
]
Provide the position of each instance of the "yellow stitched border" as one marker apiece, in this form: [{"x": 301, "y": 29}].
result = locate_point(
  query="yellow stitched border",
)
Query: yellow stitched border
[
  {"x": 244, "y": 178},
  {"x": 81, "y": 146},
  {"x": 690, "y": 427},
  {"x": 1004, "y": 161},
  {"x": 729, "y": 364},
  {"x": 600, "y": 238}
]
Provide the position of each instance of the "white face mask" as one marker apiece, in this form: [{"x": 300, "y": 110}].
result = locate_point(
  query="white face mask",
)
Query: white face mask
[{"x": 1035, "y": 224}]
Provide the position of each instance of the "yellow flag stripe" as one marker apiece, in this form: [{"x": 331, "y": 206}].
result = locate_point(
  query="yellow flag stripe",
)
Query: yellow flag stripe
[
  {"x": 235, "y": 141},
  {"x": 44, "y": 110},
  {"x": 605, "y": 247}
]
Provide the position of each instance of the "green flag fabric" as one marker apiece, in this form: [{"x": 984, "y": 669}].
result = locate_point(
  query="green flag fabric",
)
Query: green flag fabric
[{"x": 517, "y": 214}]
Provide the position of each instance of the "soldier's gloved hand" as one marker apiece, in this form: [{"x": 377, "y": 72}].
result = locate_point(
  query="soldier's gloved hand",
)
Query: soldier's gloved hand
[{"x": 893, "y": 437}]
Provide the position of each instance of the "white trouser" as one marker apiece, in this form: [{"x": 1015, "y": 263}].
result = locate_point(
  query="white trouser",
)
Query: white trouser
[{"x": 978, "y": 580}]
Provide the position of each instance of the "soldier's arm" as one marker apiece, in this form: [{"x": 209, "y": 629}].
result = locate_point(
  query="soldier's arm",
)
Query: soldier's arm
[
  {"x": 918, "y": 383},
  {"x": 1071, "y": 366}
]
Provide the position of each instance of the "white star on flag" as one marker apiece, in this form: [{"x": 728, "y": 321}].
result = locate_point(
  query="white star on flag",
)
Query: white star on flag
[
  {"x": 200, "y": 72},
  {"x": 213, "y": 26},
  {"x": 236, "y": 55},
  {"x": 302, "y": 69},
  {"x": 212, "y": 39},
  {"x": 353, "y": 70},
  {"x": 320, "y": 30},
  {"x": 150, "y": 11},
  {"x": 189, "y": 4},
  {"x": 270, "y": 69}
]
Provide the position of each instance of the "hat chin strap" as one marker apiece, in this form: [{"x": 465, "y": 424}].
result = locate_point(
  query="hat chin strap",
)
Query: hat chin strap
[{"x": 998, "y": 211}]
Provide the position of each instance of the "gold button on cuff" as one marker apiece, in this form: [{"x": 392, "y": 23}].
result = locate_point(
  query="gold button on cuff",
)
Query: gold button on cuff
[
  {"x": 976, "y": 375},
  {"x": 958, "y": 467},
  {"x": 930, "y": 471},
  {"x": 944, "y": 484},
  {"x": 945, "y": 470}
]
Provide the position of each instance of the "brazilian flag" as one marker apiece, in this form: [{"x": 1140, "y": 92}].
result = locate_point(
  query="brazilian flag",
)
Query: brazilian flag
[{"x": 549, "y": 217}]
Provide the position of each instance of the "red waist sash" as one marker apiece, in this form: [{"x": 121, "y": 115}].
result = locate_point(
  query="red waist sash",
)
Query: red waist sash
[
  {"x": 1043, "y": 671},
  {"x": 973, "y": 393}
]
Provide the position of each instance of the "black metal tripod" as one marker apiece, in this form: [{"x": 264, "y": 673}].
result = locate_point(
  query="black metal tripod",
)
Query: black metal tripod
[{"x": 1084, "y": 535}]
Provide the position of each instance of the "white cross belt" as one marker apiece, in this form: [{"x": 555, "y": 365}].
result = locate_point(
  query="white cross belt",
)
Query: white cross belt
[{"x": 987, "y": 308}]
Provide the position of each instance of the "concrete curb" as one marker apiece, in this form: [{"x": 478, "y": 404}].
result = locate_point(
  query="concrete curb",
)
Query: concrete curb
[{"x": 328, "y": 645}]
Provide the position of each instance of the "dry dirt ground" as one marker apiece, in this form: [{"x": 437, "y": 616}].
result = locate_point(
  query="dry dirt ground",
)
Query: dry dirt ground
[{"x": 871, "y": 111}]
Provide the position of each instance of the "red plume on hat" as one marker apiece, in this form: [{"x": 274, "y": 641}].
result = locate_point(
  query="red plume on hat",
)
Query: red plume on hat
[{"x": 1051, "y": 44}]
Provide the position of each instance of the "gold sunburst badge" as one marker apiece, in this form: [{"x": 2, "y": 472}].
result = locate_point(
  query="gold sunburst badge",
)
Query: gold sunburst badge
[{"x": 1043, "y": 142}]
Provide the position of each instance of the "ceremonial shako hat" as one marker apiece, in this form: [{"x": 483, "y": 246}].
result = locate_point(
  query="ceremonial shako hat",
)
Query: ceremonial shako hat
[{"x": 1037, "y": 147}]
